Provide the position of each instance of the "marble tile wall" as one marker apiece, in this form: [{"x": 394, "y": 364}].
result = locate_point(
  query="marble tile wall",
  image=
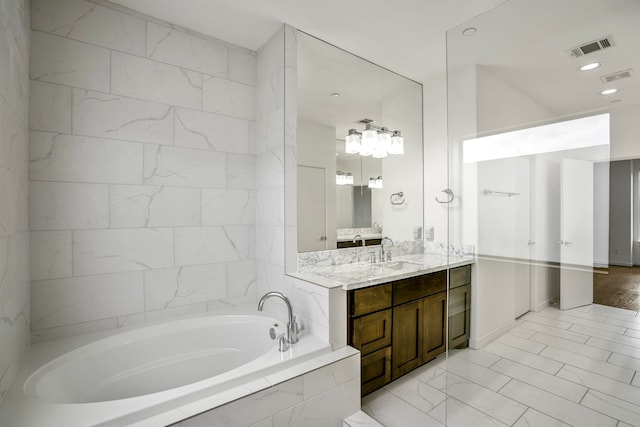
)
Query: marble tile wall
[
  {"x": 142, "y": 170},
  {"x": 275, "y": 155},
  {"x": 14, "y": 152},
  {"x": 301, "y": 401}
]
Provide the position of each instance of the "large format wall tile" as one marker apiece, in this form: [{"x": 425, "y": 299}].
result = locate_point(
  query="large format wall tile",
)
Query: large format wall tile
[
  {"x": 155, "y": 81},
  {"x": 121, "y": 152},
  {"x": 183, "y": 167},
  {"x": 91, "y": 23},
  {"x": 113, "y": 116},
  {"x": 228, "y": 207},
  {"x": 175, "y": 47},
  {"x": 50, "y": 107},
  {"x": 184, "y": 285},
  {"x": 56, "y": 157},
  {"x": 210, "y": 131},
  {"x": 228, "y": 98},
  {"x": 153, "y": 206},
  {"x": 242, "y": 67},
  {"x": 80, "y": 299},
  {"x": 58, "y": 60},
  {"x": 203, "y": 245},
  {"x": 111, "y": 251},
  {"x": 67, "y": 206},
  {"x": 50, "y": 254}
]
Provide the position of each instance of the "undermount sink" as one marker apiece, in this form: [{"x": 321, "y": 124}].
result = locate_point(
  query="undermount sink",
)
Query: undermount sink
[{"x": 399, "y": 265}]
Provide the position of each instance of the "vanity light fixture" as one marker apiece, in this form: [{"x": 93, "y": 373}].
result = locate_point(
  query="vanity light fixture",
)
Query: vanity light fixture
[
  {"x": 590, "y": 66},
  {"x": 375, "y": 182},
  {"x": 344, "y": 178},
  {"x": 609, "y": 91},
  {"x": 374, "y": 141}
]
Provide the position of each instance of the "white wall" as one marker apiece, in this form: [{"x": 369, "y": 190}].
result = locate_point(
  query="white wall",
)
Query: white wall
[
  {"x": 14, "y": 164},
  {"x": 403, "y": 172},
  {"x": 601, "y": 214},
  {"x": 316, "y": 147},
  {"x": 621, "y": 213},
  {"x": 142, "y": 171},
  {"x": 625, "y": 128}
]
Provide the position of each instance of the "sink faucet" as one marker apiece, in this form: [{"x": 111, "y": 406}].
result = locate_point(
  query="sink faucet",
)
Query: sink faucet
[
  {"x": 292, "y": 326},
  {"x": 382, "y": 253},
  {"x": 356, "y": 237}
]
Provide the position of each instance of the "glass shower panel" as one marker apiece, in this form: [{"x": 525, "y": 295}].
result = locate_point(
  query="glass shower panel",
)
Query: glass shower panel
[{"x": 528, "y": 162}]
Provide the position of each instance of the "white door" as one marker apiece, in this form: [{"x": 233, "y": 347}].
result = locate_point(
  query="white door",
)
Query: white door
[
  {"x": 312, "y": 208},
  {"x": 576, "y": 252}
]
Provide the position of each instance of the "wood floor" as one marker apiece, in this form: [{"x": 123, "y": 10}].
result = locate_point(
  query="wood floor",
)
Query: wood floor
[{"x": 617, "y": 287}]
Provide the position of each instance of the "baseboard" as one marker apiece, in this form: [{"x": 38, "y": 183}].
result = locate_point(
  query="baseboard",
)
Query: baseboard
[{"x": 478, "y": 343}]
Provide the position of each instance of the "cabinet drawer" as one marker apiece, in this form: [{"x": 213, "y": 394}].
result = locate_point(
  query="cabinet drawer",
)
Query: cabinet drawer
[
  {"x": 375, "y": 370},
  {"x": 371, "y": 299},
  {"x": 460, "y": 276},
  {"x": 417, "y": 287},
  {"x": 372, "y": 332}
]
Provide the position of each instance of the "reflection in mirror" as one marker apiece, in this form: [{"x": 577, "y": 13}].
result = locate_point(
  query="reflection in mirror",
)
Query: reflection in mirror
[{"x": 345, "y": 191}]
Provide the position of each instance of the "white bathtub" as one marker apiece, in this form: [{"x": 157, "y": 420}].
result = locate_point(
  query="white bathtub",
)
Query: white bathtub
[{"x": 137, "y": 374}]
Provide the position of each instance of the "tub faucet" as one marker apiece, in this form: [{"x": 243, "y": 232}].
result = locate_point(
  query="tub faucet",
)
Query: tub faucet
[
  {"x": 382, "y": 253},
  {"x": 356, "y": 237},
  {"x": 292, "y": 326}
]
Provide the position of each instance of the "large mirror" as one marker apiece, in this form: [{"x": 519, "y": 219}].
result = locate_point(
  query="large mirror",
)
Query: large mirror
[{"x": 342, "y": 192}]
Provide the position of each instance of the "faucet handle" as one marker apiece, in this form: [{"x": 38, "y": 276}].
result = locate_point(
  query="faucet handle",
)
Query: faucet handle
[
  {"x": 283, "y": 345},
  {"x": 293, "y": 331}
]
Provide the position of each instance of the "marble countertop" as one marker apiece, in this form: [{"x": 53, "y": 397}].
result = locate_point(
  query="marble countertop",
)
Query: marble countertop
[{"x": 361, "y": 275}]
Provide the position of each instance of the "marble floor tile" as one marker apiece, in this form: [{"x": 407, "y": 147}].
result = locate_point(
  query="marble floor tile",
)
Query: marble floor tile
[
  {"x": 556, "y": 332},
  {"x": 478, "y": 374},
  {"x": 533, "y": 418},
  {"x": 542, "y": 380},
  {"x": 533, "y": 360},
  {"x": 417, "y": 393},
  {"x": 562, "y": 409},
  {"x": 496, "y": 405},
  {"x": 597, "y": 366},
  {"x": 453, "y": 413},
  {"x": 521, "y": 343},
  {"x": 573, "y": 347},
  {"x": 613, "y": 407},
  {"x": 627, "y": 392},
  {"x": 392, "y": 411},
  {"x": 573, "y": 368}
]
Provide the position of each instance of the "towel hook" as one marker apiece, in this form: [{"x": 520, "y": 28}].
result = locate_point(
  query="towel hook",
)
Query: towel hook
[
  {"x": 449, "y": 194},
  {"x": 399, "y": 198}
]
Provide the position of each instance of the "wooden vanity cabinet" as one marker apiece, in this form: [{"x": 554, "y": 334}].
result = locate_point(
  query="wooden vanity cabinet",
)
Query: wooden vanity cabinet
[
  {"x": 459, "y": 306},
  {"x": 369, "y": 330},
  {"x": 402, "y": 325},
  {"x": 419, "y": 325}
]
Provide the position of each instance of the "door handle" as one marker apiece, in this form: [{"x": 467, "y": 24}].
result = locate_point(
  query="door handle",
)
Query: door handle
[
  {"x": 567, "y": 243},
  {"x": 560, "y": 242},
  {"x": 322, "y": 238}
]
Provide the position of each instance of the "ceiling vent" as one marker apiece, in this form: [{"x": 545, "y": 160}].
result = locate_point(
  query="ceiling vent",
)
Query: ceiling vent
[
  {"x": 590, "y": 47},
  {"x": 618, "y": 75}
]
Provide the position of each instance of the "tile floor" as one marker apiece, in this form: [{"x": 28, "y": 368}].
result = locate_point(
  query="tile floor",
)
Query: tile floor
[{"x": 577, "y": 368}]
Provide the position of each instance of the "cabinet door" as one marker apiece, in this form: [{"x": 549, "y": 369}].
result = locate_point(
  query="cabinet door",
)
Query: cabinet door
[
  {"x": 375, "y": 370},
  {"x": 459, "y": 316},
  {"x": 372, "y": 331},
  {"x": 407, "y": 337},
  {"x": 434, "y": 326}
]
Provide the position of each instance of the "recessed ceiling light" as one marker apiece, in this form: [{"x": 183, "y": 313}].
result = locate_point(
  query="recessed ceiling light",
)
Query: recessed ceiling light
[
  {"x": 608, "y": 91},
  {"x": 468, "y": 32},
  {"x": 589, "y": 67},
  {"x": 335, "y": 94}
]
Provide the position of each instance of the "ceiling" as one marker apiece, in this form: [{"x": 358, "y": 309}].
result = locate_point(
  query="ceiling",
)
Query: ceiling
[
  {"x": 406, "y": 36},
  {"x": 522, "y": 42}
]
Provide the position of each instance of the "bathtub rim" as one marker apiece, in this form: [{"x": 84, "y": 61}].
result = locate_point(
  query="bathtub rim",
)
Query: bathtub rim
[{"x": 16, "y": 402}]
